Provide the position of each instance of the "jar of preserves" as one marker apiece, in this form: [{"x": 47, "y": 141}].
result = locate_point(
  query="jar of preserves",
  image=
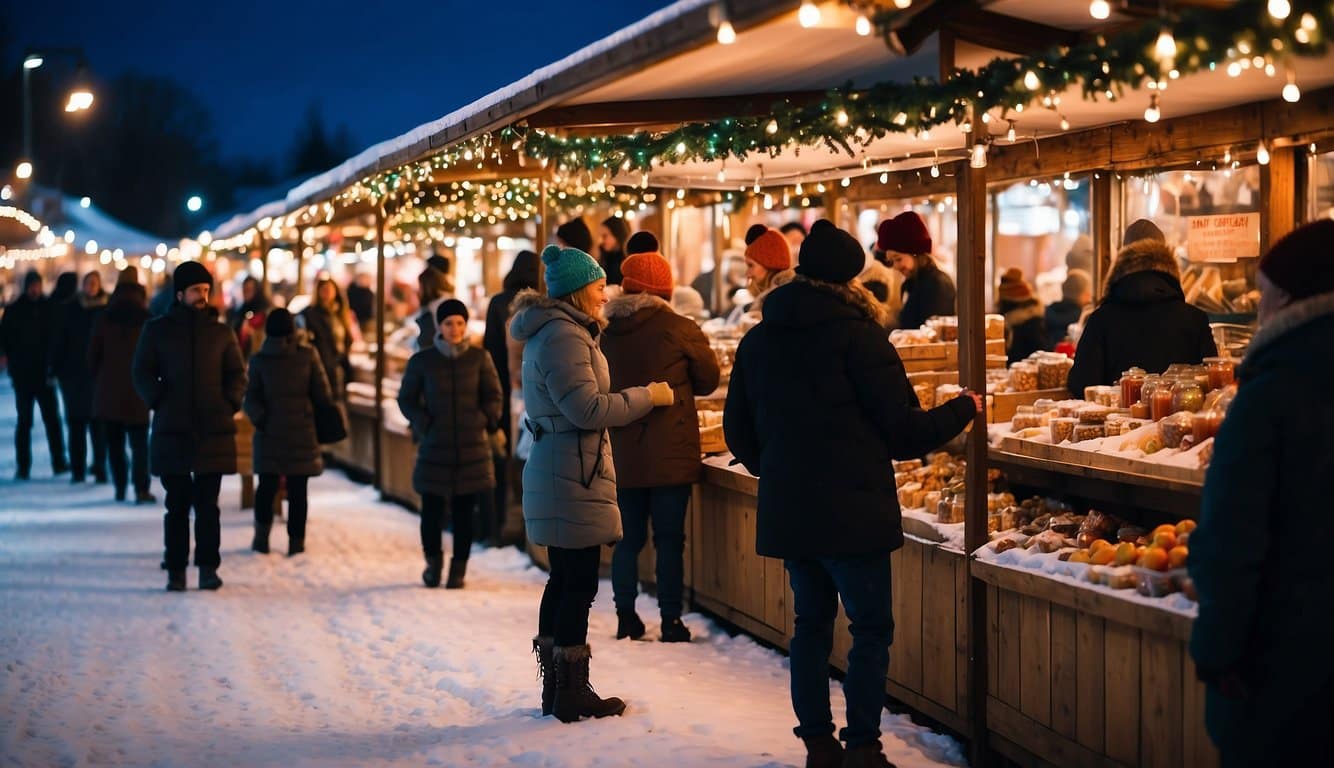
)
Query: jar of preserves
[
  {"x": 1132, "y": 382},
  {"x": 1160, "y": 403},
  {"x": 1222, "y": 371},
  {"x": 1205, "y": 424},
  {"x": 1187, "y": 395}
]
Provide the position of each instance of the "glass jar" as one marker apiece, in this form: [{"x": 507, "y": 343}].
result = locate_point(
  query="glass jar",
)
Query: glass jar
[
  {"x": 1205, "y": 424},
  {"x": 1222, "y": 371},
  {"x": 1160, "y": 402},
  {"x": 1132, "y": 382},
  {"x": 1187, "y": 395}
]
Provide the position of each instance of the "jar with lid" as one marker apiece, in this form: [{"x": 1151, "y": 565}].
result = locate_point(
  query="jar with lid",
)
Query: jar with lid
[
  {"x": 1160, "y": 402},
  {"x": 1132, "y": 381},
  {"x": 1222, "y": 371},
  {"x": 1205, "y": 424},
  {"x": 1187, "y": 395}
]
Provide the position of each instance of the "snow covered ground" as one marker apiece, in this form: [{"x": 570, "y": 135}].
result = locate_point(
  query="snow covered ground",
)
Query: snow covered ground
[{"x": 339, "y": 657}]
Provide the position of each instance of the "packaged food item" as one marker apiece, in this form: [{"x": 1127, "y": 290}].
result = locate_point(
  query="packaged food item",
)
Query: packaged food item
[
  {"x": 1069, "y": 409},
  {"x": 1093, "y": 414},
  {"x": 1116, "y": 423},
  {"x": 1204, "y": 425},
  {"x": 995, "y": 326},
  {"x": 1154, "y": 583},
  {"x": 1025, "y": 418},
  {"x": 910, "y": 337},
  {"x": 1084, "y": 432},
  {"x": 907, "y": 465},
  {"x": 1132, "y": 383},
  {"x": 1063, "y": 429},
  {"x": 1004, "y": 545},
  {"x": 1023, "y": 377},
  {"x": 1187, "y": 395},
  {"x": 1054, "y": 371},
  {"x": 1173, "y": 428},
  {"x": 1140, "y": 410},
  {"x": 926, "y": 394},
  {"x": 930, "y": 500},
  {"x": 945, "y": 326},
  {"x": 1221, "y": 370},
  {"x": 1091, "y": 393},
  {"x": 906, "y": 494},
  {"x": 997, "y": 362}
]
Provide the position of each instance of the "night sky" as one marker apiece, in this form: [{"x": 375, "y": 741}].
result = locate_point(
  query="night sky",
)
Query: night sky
[{"x": 380, "y": 68}]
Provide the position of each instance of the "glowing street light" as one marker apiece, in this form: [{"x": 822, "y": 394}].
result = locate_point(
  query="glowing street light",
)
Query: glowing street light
[
  {"x": 194, "y": 204},
  {"x": 24, "y": 170},
  {"x": 33, "y": 61}
]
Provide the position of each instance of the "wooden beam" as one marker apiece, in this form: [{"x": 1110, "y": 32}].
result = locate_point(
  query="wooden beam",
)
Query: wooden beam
[
  {"x": 667, "y": 112},
  {"x": 1100, "y": 205},
  {"x": 378, "y": 434},
  {"x": 904, "y": 184},
  {"x": 1278, "y": 187},
  {"x": 927, "y": 22},
  {"x": 1006, "y": 33},
  {"x": 300, "y": 254},
  {"x": 946, "y": 55}
]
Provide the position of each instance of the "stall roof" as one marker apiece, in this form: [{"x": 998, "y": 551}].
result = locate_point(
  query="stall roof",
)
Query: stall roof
[
  {"x": 62, "y": 213},
  {"x": 243, "y": 221}
]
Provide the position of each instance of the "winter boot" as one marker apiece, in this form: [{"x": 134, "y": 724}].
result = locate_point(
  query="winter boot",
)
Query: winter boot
[
  {"x": 431, "y": 576},
  {"x": 823, "y": 751},
  {"x": 260, "y": 542},
  {"x": 209, "y": 579},
  {"x": 295, "y": 547},
  {"x": 675, "y": 631},
  {"x": 628, "y": 624},
  {"x": 175, "y": 581},
  {"x": 546, "y": 669},
  {"x": 144, "y": 497},
  {"x": 866, "y": 756},
  {"x": 575, "y": 697},
  {"x": 457, "y": 570},
  {"x": 120, "y": 494}
]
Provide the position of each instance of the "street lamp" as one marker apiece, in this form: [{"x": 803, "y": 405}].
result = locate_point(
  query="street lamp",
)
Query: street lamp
[
  {"x": 194, "y": 204},
  {"x": 80, "y": 96},
  {"x": 80, "y": 99}
]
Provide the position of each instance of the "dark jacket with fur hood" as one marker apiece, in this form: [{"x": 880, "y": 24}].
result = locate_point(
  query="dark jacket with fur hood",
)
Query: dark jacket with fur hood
[
  {"x": 817, "y": 406},
  {"x": 285, "y": 385},
  {"x": 1025, "y": 328},
  {"x": 647, "y": 341},
  {"x": 1143, "y": 320},
  {"x": 1268, "y": 486}
]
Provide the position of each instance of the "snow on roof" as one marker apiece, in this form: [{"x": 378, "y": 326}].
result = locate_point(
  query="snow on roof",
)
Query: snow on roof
[
  {"x": 360, "y": 165},
  {"x": 92, "y": 223},
  {"x": 243, "y": 221}
]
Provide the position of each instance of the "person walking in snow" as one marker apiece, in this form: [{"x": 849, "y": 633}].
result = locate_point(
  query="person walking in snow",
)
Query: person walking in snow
[
  {"x": 569, "y": 482},
  {"x": 122, "y": 413},
  {"x": 452, "y": 397},
  {"x": 817, "y": 406},
  {"x": 433, "y": 287},
  {"x": 69, "y": 364},
  {"x": 188, "y": 369},
  {"x": 25, "y": 341},
  {"x": 1257, "y": 558},
  {"x": 285, "y": 388},
  {"x": 330, "y": 334},
  {"x": 657, "y": 456}
]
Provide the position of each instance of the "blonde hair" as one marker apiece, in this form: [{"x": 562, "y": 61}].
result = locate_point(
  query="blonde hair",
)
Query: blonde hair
[{"x": 583, "y": 301}]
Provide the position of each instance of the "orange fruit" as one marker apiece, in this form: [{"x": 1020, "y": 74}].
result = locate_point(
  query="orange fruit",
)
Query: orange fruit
[
  {"x": 1185, "y": 526},
  {"x": 1100, "y": 544},
  {"x": 1176, "y": 556},
  {"x": 1079, "y": 556},
  {"x": 1164, "y": 528},
  {"x": 1155, "y": 558},
  {"x": 1102, "y": 555},
  {"x": 1125, "y": 553},
  {"x": 1183, "y": 539},
  {"x": 1164, "y": 539}
]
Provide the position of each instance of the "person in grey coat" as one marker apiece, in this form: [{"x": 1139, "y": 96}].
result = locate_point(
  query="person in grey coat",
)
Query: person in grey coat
[
  {"x": 286, "y": 384},
  {"x": 451, "y": 396},
  {"x": 569, "y": 482},
  {"x": 188, "y": 370}
]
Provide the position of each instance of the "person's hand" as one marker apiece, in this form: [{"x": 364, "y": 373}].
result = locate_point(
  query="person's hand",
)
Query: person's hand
[
  {"x": 978, "y": 402},
  {"x": 498, "y": 443},
  {"x": 660, "y": 392}
]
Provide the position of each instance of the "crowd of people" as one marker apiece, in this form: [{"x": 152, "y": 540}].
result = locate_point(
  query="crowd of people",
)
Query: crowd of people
[{"x": 589, "y": 370}]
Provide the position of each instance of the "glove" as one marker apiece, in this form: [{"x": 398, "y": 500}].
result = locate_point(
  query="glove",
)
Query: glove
[
  {"x": 660, "y": 392},
  {"x": 498, "y": 444}
]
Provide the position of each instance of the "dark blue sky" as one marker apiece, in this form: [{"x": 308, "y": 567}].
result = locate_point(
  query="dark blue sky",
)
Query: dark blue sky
[{"x": 381, "y": 68}]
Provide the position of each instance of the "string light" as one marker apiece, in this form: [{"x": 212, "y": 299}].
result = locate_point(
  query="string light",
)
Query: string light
[
  {"x": 1031, "y": 81},
  {"x": 846, "y": 182},
  {"x": 809, "y": 15},
  {"x": 771, "y": 127},
  {"x": 1280, "y": 9},
  {"x": 1166, "y": 47},
  {"x": 841, "y": 117},
  {"x": 903, "y": 5},
  {"x": 1291, "y": 93},
  {"x": 863, "y": 26},
  {"x": 1100, "y": 9},
  {"x": 1065, "y": 124},
  {"x": 1010, "y": 135},
  {"x": 1262, "y": 153},
  {"x": 884, "y": 177},
  {"x": 726, "y": 34},
  {"x": 1152, "y": 113}
]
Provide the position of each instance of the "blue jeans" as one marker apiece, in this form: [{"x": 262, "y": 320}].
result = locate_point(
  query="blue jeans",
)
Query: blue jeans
[
  {"x": 863, "y": 584},
  {"x": 665, "y": 506}
]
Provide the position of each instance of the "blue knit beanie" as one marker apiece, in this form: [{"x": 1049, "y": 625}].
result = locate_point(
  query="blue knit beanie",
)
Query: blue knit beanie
[{"x": 569, "y": 269}]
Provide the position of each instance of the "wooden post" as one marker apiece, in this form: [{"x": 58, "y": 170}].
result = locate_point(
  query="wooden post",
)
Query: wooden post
[
  {"x": 263, "y": 261},
  {"x": 300, "y": 260},
  {"x": 719, "y": 263},
  {"x": 1278, "y": 196},
  {"x": 1100, "y": 211},
  {"x": 972, "y": 271},
  {"x": 543, "y": 227},
  {"x": 379, "y": 347}
]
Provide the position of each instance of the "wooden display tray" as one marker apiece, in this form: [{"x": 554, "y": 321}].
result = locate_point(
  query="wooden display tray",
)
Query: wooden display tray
[
  {"x": 1105, "y": 466},
  {"x": 1004, "y": 404},
  {"x": 1127, "y": 489},
  {"x": 939, "y": 356}
]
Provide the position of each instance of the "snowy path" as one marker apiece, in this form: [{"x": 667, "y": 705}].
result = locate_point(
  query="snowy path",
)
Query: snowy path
[{"x": 340, "y": 657}]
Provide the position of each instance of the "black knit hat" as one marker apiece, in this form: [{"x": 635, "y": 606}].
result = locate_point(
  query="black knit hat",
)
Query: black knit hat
[
  {"x": 438, "y": 262},
  {"x": 190, "y": 273},
  {"x": 641, "y": 242},
  {"x": 575, "y": 234},
  {"x": 279, "y": 323},
  {"x": 450, "y": 307},
  {"x": 33, "y": 276},
  {"x": 754, "y": 232},
  {"x": 829, "y": 254}
]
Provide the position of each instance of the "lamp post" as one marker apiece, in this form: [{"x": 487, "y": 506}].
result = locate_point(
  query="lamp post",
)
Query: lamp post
[{"x": 80, "y": 99}]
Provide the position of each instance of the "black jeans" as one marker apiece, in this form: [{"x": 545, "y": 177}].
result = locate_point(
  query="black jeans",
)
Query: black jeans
[
  {"x": 571, "y": 587},
  {"x": 297, "y": 505},
  {"x": 665, "y": 508},
  {"x": 45, "y": 398},
  {"x": 461, "y": 509},
  {"x": 199, "y": 492},
  {"x": 80, "y": 432},
  {"x": 116, "y": 434},
  {"x": 864, "y": 585}
]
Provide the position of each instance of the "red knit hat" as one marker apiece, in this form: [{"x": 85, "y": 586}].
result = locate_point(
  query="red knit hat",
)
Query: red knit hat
[
  {"x": 1013, "y": 286},
  {"x": 647, "y": 273},
  {"x": 771, "y": 251},
  {"x": 905, "y": 233},
  {"x": 1301, "y": 263}
]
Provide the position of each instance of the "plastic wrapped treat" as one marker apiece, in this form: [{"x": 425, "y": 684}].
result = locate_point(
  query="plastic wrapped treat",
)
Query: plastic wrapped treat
[
  {"x": 1024, "y": 377},
  {"x": 926, "y": 394},
  {"x": 1175, "y": 427},
  {"x": 945, "y": 326},
  {"x": 1025, "y": 418},
  {"x": 1084, "y": 432},
  {"x": 1063, "y": 430},
  {"x": 1093, "y": 414},
  {"x": 1054, "y": 371},
  {"x": 995, "y": 326}
]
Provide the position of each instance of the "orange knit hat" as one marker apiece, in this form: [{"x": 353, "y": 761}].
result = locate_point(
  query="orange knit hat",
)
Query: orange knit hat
[
  {"x": 647, "y": 273},
  {"x": 771, "y": 251}
]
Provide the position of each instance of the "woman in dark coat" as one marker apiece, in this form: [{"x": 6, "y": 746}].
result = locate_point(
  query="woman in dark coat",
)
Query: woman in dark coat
[
  {"x": 1025, "y": 325},
  {"x": 116, "y": 405},
  {"x": 1259, "y": 558},
  {"x": 612, "y": 236},
  {"x": 927, "y": 291},
  {"x": 1143, "y": 320},
  {"x": 326, "y": 323},
  {"x": 451, "y": 396},
  {"x": 657, "y": 457},
  {"x": 286, "y": 385},
  {"x": 69, "y": 363},
  {"x": 817, "y": 406}
]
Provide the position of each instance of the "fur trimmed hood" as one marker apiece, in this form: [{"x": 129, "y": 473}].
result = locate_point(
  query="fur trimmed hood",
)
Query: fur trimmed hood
[
  {"x": 1143, "y": 256},
  {"x": 533, "y": 310},
  {"x": 628, "y": 304},
  {"x": 784, "y": 306},
  {"x": 1291, "y": 319},
  {"x": 1018, "y": 314}
]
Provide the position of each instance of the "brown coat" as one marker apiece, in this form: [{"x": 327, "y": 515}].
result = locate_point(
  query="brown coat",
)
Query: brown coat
[
  {"x": 110, "y": 355},
  {"x": 647, "y": 341}
]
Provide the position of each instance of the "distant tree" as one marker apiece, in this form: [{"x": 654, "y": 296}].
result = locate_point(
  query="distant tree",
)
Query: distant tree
[{"x": 314, "y": 150}]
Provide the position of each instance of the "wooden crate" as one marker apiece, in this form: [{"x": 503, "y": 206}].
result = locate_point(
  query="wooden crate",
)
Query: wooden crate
[
  {"x": 357, "y": 452},
  {"x": 1004, "y": 404},
  {"x": 1113, "y": 467},
  {"x": 399, "y": 457},
  {"x": 1077, "y": 677},
  {"x": 939, "y": 356}
]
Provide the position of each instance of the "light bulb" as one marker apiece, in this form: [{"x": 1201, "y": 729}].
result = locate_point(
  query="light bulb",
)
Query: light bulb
[
  {"x": 1166, "y": 47},
  {"x": 726, "y": 34},
  {"x": 1100, "y": 9},
  {"x": 1234, "y": 69},
  {"x": 845, "y": 182},
  {"x": 680, "y": 147},
  {"x": 1010, "y": 135},
  {"x": 798, "y": 189},
  {"x": 820, "y": 187},
  {"x": 978, "y": 157},
  {"x": 902, "y": 4},
  {"x": 863, "y": 26},
  {"x": 935, "y": 171},
  {"x": 841, "y": 118},
  {"x": 1291, "y": 93},
  {"x": 809, "y": 15},
  {"x": 24, "y": 170},
  {"x": 1065, "y": 124},
  {"x": 1227, "y": 156},
  {"x": 771, "y": 128},
  {"x": 1152, "y": 113},
  {"x": 768, "y": 202},
  {"x": 1280, "y": 9},
  {"x": 1308, "y": 22},
  {"x": 1262, "y": 153},
  {"x": 884, "y": 177},
  {"x": 1031, "y": 81},
  {"x": 680, "y": 194}
]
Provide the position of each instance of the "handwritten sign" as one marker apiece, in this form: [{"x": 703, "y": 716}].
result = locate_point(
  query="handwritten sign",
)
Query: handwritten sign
[{"x": 1223, "y": 238}]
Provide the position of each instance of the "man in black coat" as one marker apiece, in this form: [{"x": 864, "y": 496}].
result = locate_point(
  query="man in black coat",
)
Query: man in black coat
[
  {"x": 1143, "y": 320},
  {"x": 69, "y": 364},
  {"x": 188, "y": 369},
  {"x": 26, "y": 341},
  {"x": 818, "y": 405},
  {"x": 927, "y": 291}
]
